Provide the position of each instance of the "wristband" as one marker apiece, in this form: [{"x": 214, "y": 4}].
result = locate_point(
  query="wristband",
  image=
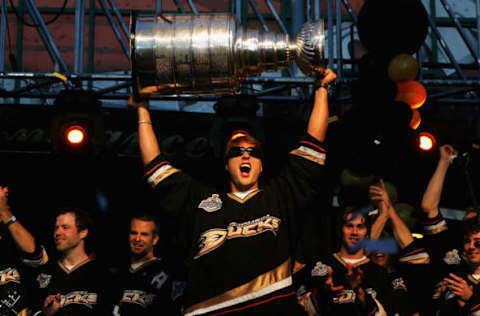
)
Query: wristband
[
  {"x": 326, "y": 86},
  {"x": 11, "y": 220},
  {"x": 145, "y": 122}
]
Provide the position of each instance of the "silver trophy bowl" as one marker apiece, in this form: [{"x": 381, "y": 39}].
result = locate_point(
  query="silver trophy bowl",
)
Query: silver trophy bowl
[{"x": 211, "y": 53}]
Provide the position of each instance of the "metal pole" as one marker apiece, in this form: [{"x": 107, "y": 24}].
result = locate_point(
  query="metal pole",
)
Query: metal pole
[
  {"x": 338, "y": 24},
  {"x": 3, "y": 30},
  {"x": 477, "y": 7},
  {"x": 276, "y": 16},
  {"x": 350, "y": 11},
  {"x": 420, "y": 62},
  {"x": 47, "y": 39},
  {"x": 158, "y": 7},
  {"x": 316, "y": 9},
  {"x": 259, "y": 15},
  {"x": 192, "y": 6},
  {"x": 115, "y": 29},
  {"x": 460, "y": 30},
  {"x": 122, "y": 23},
  {"x": 179, "y": 6},
  {"x": 238, "y": 10},
  {"x": 308, "y": 10},
  {"x": 79, "y": 35},
  {"x": 330, "y": 33},
  {"x": 445, "y": 47}
]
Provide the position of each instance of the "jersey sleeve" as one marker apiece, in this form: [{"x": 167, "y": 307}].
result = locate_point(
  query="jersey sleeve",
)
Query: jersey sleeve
[
  {"x": 303, "y": 175},
  {"x": 174, "y": 187}
]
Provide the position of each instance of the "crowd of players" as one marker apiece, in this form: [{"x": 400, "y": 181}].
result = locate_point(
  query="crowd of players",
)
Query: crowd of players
[{"x": 239, "y": 247}]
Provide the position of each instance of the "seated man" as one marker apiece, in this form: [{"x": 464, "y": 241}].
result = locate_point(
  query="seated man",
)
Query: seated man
[{"x": 240, "y": 243}]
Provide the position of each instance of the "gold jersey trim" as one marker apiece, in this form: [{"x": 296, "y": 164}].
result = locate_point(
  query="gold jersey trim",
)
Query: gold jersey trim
[
  {"x": 144, "y": 264},
  {"x": 435, "y": 229},
  {"x": 78, "y": 265},
  {"x": 161, "y": 174},
  {"x": 245, "y": 199},
  {"x": 309, "y": 154},
  {"x": 337, "y": 256},
  {"x": 245, "y": 292}
]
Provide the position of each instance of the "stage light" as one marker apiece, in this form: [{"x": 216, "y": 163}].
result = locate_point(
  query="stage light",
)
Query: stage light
[
  {"x": 77, "y": 126},
  {"x": 426, "y": 141},
  {"x": 75, "y": 135}
]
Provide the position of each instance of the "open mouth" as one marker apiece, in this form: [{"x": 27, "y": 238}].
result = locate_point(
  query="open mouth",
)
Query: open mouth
[
  {"x": 379, "y": 254},
  {"x": 245, "y": 168}
]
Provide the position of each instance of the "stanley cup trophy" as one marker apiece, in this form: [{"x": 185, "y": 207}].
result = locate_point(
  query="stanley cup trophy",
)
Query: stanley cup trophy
[{"x": 211, "y": 53}]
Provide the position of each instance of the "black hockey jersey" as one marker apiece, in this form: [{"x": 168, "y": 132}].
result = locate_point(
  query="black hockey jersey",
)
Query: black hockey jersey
[
  {"x": 150, "y": 289},
  {"x": 13, "y": 292},
  {"x": 84, "y": 290},
  {"x": 444, "y": 244},
  {"x": 374, "y": 282},
  {"x": 240, "y": 250}
]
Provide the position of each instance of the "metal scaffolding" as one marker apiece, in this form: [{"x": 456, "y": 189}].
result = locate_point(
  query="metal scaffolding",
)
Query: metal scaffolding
[{"x": 449, "y": 73}]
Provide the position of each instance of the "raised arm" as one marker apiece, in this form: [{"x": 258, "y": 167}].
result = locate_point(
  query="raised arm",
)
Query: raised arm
[
  {"x": 318, "y": 121},
  {"x": 402, "y": 233},
  {"x": 147, "y": 140},
  {"x": 22, "y": 237},
  {"x": 431, "y": 197}
]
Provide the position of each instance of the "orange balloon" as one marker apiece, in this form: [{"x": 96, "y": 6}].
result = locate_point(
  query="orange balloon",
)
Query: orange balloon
[
  {"x": 416, "y": 120},
  {"x": 403, "y": 67},
  {"x": 411, "y": 92}
]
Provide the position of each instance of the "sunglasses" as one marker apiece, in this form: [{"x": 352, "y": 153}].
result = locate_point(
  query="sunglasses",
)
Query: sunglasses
[{"x": 238, "y": 151}]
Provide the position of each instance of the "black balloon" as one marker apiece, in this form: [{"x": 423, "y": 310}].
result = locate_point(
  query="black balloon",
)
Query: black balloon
[{"x": 392, "y": 27}]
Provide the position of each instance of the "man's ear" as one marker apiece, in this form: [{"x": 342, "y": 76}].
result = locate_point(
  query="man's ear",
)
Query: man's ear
[
  {"x": 84, "y": 233},
  {"x": 226, "y": 167},
  {"x": 155, "y": 239}
]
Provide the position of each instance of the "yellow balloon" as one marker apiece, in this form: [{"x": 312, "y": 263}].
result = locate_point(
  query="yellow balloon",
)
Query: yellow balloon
[
  {"x": 403, "y": 67},
  {"x": 350, "y": 179}
]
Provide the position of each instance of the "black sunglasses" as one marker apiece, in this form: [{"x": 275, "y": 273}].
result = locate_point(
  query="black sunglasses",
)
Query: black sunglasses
[{"x": 238, "y": 151}]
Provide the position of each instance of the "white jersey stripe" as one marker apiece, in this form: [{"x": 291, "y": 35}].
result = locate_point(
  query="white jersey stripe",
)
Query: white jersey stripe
[{"x": 244, "y": 298}]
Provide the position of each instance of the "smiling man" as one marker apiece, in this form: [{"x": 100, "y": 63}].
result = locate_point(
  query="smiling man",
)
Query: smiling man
[
  {"x": 239, "y": 244},
  {"x": 348, "y": 282},
  {"x": 147, "y": 286},
  {"x": 76, "y": 284}
]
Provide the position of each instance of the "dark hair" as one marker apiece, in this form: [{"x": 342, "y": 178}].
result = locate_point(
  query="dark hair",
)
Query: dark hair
[
  {"x": 147, "y": 217},
  {"x": 355, "y": 210},
  {"x": 82, "y": 217},
  {"x": 470, "y": 227}
]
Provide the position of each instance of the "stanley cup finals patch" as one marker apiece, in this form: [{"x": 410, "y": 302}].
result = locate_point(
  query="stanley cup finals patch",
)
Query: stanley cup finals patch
[{"x": 211, "y": 204}]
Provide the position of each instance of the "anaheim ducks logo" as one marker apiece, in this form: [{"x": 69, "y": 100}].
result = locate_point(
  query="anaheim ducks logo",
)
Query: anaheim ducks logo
[
  {"x": 141, "y": 298},
  {"x": 79, "y": 297},
  {"x": 9, "y": 275},
  {"x": 214, "y": 238}
]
